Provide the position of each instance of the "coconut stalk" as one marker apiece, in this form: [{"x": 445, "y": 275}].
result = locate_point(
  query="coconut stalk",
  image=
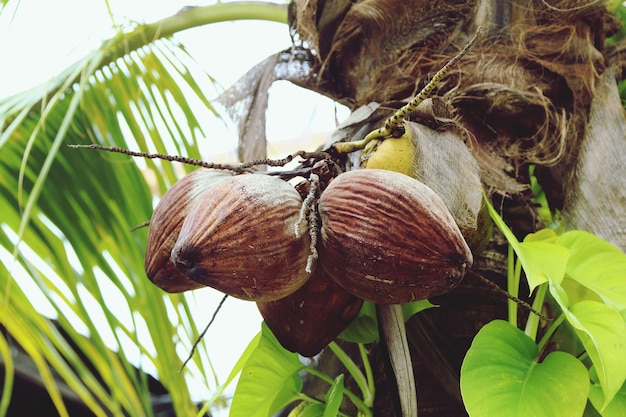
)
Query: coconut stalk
[{"x": 393, "y": 332}]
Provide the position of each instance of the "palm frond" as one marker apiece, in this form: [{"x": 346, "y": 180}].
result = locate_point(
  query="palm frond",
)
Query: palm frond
[
  {"x": 3, "y": 4},
  {"x": 67, "y": 216}
]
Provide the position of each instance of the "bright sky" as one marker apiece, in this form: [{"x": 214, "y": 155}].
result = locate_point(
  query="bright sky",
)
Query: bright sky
[{"x": 41, "y": 38}]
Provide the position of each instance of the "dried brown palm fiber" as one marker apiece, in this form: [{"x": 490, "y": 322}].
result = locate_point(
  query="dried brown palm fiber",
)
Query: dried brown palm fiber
[
  {"x": 508, "y": 127},
  {"x": 546, "y": 76},
  {"x": 565, "y": 39},
  {"x": 495, "y": 153},
  {"x": 615, "y": 56},
  {"x": 499, "y": 83},
  {"x": 527, "y": 122},
  {"x": 303, "y": 22},
  {"x": 568, "y": 50},
  {"x": 565, "y": 50},
  {"x": 376, "y": 43},
  {"x": 315, "y": 22}
]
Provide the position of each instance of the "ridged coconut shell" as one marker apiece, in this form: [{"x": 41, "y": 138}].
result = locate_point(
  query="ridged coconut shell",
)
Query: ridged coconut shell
[
  {"x": 313, "y": 316},
  {"x": 165, "y": 225},
  {"x": 240, "y": 239},
  {"x": 388, "y": 238}
]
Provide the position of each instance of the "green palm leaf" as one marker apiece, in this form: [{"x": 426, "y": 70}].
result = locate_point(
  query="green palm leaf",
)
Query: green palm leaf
[{"x": 67, "y": 216}]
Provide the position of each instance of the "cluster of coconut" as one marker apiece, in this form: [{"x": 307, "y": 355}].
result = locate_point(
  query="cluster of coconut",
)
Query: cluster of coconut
[{"x": 383, "y": 237}]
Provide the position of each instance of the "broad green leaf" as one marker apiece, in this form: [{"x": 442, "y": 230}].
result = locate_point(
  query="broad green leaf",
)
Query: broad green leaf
[
  {"x": 559, "y": 294},
  {"x": 334, "y": 396},
  {"x": 269, "y": 380},
  {"x": 73, "y": 211},
  {"x": 542, "y": 261},
  {"x": 412, "y": 308},
  {"x": 598, "y": 265},
  {"x": 540, "y": 257},
  {"x": 308, "y": 410},
  {"x": 602, "y": 331},
  {"x": 543, "y": 235},
  {"x": 617, "y": 406},
  {"x": 576, "y": 292},
  {"x": 364, "y": 328},
  {"x": 500, "y": 377}
]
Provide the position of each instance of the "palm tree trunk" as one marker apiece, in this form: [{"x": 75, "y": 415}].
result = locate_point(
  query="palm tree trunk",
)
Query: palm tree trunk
[{"x": 596, "y": 197}]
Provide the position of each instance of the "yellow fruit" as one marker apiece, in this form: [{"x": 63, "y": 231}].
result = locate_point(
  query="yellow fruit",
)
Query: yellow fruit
[{"x": 391, "y": 154}]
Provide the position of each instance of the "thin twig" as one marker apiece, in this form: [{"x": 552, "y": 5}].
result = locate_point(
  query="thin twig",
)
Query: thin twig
[
  {"x": 399, "y": 116},
  {"x": 509, "y": 296},
  {"x": 308, "y": 215},
  {"x": 243, "y": 167},
  {"x": 286, "y": 160},
  {"x": 171, "y": 158},
  {"x": 307, "y": 204},
  {"x": 197, "y": 342},
  {"x": 140, "y": 226}
]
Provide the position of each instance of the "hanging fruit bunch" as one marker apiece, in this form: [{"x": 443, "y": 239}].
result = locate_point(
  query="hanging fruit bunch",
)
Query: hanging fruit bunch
[
  {"x": 382, "y": 236},
  {"x": 310, "y": 254}
]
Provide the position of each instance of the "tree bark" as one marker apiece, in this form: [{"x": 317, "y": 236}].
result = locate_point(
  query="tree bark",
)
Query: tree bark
[{"x": 596, "y": 198}]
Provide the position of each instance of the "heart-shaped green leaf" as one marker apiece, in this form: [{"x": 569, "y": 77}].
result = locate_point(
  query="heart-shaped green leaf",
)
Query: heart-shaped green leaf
[
  {"x": 602, "y": 332},
  {"x": 617, "y": 406},
  {"x": 500, "y": 377},
  {"x": 543, "y": 235},
  {"x": 596, "y": 264},
  {"x": 542, "y": 261},
  {"x": 541, "y": 258},
  {"x": 412, "y": 308},
  {"x": 364, "y": 328},
  {"x": 269, "y": 380}
]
